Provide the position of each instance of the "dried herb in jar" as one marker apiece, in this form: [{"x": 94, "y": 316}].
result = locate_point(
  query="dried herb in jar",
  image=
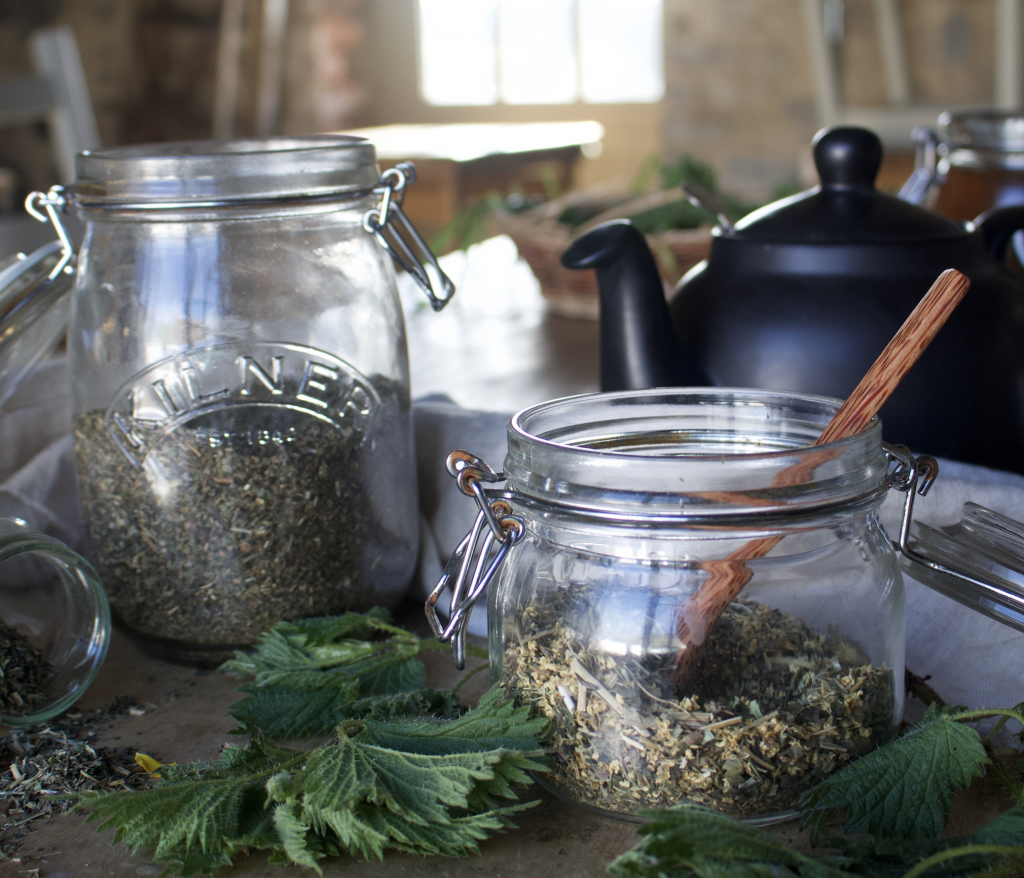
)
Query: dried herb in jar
[
  {"x": 771, "y": 708},
  {"x": 24, "y": 673},
  {"x": 245, "y": 517}
]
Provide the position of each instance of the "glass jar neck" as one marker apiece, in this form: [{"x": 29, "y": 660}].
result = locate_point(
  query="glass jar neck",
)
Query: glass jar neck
[
  {"x": 692, "y": 455},
  {"x": 354, "y": 203}
]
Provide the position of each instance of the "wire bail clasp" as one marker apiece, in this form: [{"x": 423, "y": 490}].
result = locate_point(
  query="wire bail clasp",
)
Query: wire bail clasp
[
  {"x": 473, "y": 565},
  {"x": 51, "y": 202},
  {"x": 390, "y": 216}
]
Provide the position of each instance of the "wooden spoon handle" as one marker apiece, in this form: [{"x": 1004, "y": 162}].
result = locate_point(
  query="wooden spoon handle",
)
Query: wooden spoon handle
[
  {"x": 726, "y": 578},
  {"x": 899, "y": 355}
]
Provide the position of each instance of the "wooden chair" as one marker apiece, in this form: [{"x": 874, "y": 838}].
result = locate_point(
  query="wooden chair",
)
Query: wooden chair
[
  {"x": 57, "y": 95},
  {"x": 895, "y": 121}
]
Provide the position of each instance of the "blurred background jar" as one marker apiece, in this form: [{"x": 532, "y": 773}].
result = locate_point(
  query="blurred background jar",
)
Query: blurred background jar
[
  {"x": 240, "y": 388},
  {"x": 973, "y": 164}
]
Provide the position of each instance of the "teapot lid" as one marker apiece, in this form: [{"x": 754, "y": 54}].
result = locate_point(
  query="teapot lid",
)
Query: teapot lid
[{"x": 846, "y": 208}]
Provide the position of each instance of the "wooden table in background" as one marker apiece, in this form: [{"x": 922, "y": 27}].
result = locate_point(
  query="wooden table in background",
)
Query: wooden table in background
[{"x": 460, "y": 163}]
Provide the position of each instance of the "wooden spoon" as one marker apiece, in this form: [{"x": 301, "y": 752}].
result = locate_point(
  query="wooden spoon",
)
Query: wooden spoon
[{"x": 727, "y": 577}]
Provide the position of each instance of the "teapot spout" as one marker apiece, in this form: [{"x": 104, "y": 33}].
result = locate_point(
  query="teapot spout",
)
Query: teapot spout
[{"x": 638, "y": 347}]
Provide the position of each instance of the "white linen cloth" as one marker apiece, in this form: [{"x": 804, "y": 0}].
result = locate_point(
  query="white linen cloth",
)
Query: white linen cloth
[{"x": 972, "y": 659}]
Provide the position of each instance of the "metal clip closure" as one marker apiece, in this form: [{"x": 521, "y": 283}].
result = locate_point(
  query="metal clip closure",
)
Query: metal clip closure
[
  {"x": 391, "y": 187},
  {"x": 51, "y": 202},
  {"x": 477, "y": 557},
  {"x": 913, "y": 476}
]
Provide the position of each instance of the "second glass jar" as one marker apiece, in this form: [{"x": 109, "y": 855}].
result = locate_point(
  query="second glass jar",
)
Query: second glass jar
[{"x": 634, "y": 506}]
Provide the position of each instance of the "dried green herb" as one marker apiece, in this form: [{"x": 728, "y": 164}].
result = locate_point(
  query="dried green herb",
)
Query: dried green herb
[
  {"x": 230, "y": 525},
  {"x": 24, "y": 673},
  {"x": 41, "y": 765},
  {"x": 771, "y": 708}
]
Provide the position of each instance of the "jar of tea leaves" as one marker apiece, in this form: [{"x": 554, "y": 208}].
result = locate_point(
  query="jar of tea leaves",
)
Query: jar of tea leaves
[
  {"x": 623, "y": 518},
  {"x": 241, "y": 385}
]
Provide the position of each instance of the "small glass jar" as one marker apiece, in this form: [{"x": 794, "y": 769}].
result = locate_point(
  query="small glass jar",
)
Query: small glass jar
[
  {"x": 242, "y": 416},
  {"x": 627, "y": 508},
  {"x": 54, "y": 625}
]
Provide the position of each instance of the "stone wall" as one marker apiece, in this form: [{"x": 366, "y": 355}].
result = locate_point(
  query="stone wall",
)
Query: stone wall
[
  {"x": 151, "y": 70},
  {"x": 739, "y": 91}
]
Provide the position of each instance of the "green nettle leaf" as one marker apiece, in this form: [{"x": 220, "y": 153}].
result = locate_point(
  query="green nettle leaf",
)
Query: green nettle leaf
[
  {"x": 311, "y": 674},
  {"x": 496, "y": 723},
  {"x": 691, "y": 840},
  {"x": 904, "y": 789},
  {"x": 292, "y": 830},
  {"x": 1006, "y": 829},
  {"x": 353, "y": 795},
  {"x": 187, "y": 815}
]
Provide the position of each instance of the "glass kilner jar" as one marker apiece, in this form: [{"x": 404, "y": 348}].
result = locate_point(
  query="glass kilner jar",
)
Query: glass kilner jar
[
  {"x": 707, "y": 609},
  {"x": 241, "y": 385}
]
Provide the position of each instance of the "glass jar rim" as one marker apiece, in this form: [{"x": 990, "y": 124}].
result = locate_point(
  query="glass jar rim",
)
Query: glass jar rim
[
  {"x": 689, "y": 454},
  {"x": 188, "y": 172}
]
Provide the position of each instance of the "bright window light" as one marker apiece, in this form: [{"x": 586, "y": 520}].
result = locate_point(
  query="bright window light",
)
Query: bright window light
[
  {"x": 458, "y": 51},
  {"x": 620, "y": 49},
  {"x": 476, "y": 52},
  {"x": 537, "y": 51}
]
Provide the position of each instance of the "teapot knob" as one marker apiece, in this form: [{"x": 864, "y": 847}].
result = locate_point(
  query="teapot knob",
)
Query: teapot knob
[{"x": 847, "y": 157}]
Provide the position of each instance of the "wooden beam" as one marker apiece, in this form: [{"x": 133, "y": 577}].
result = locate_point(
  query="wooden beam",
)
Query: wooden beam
[{"x": 894, "y": 55}]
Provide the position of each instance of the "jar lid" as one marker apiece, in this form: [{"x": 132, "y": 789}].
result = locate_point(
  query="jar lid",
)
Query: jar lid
[
  {"x": 35, "y": 294},
  {"x": 979, "y": 561},
  {"x": 983, "y": 129},
  {"x": 195, "y": 172}
]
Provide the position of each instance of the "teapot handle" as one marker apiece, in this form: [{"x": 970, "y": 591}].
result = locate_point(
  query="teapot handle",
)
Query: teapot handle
[{"x": 997, "y": 227}]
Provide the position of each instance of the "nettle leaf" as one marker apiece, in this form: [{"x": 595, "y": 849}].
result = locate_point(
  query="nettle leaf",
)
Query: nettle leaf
[
  {"x": 691, "y": 840},
  {"x": 307, "y": 672},
  {"x": 282, "y": 712},
  {"x": 495, "y": 723},
  {"x": 189, "y": 814},
  {"x": 1006, "y": 829},
  {"x": 904, "y": 789},
  {"x": 352, "y": 795},
  {"x": 292, "y": 830},
  {"x": 322, "y": 630},
  {"x": 374, "y": 798}
]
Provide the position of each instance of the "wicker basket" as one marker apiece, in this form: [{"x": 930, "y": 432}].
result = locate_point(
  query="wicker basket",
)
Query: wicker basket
[{"x": 541, "y": 240}]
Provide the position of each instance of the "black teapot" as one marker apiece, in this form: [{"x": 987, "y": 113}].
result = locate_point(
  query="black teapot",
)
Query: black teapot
[{"x": 805, "y": 293}]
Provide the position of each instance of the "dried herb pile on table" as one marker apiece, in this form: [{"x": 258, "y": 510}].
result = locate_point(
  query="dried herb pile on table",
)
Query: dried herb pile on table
[
  {"x": 39, "y": 763},
  {"x": 772, "y": 708},
  {"x": 24, "y": 672},
  {"x": 406, "y": 768}
]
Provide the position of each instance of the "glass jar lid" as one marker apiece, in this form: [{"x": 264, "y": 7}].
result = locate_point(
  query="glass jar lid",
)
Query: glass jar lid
[
  {"x": 191, "y": 173},
  {"x": 681, "y": 454},
  {"x": 979, "y": 561}
]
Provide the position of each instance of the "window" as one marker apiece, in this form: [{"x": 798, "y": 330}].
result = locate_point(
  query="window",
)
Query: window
[{"x": 478, "y": 52}]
